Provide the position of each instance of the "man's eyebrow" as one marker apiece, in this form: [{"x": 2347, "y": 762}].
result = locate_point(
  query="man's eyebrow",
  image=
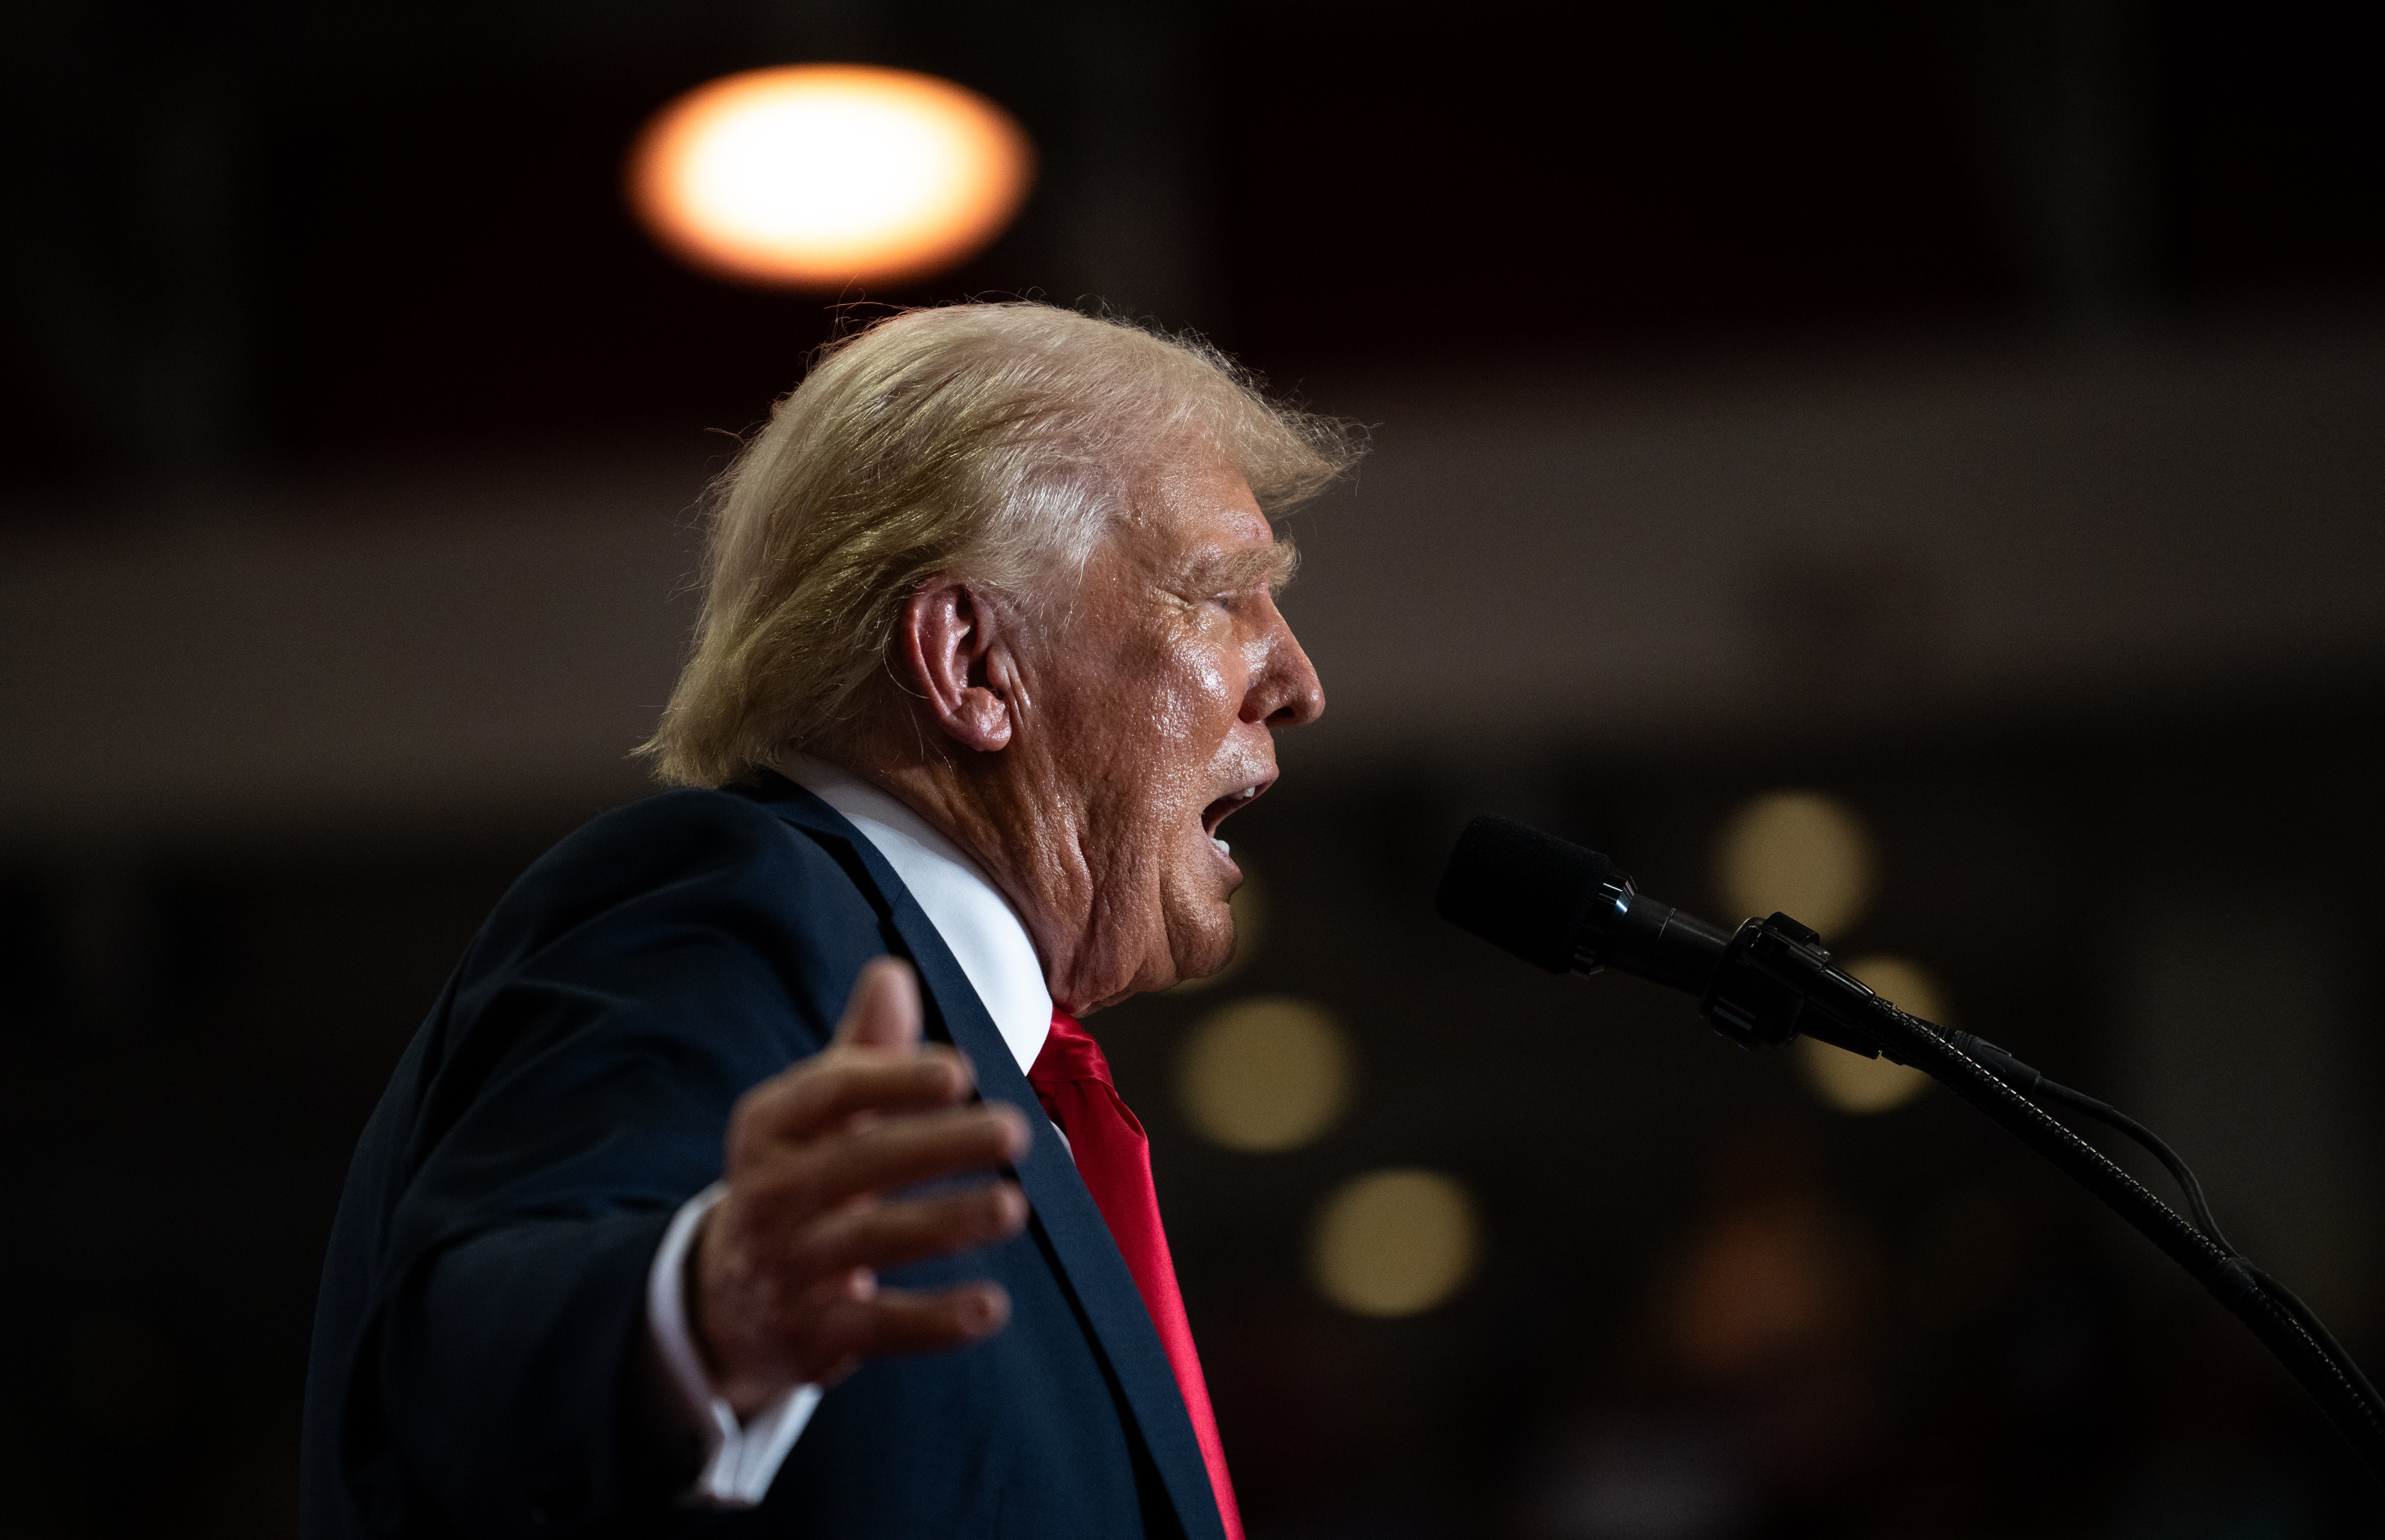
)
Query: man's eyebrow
[{"x": 1254, "y": 567}]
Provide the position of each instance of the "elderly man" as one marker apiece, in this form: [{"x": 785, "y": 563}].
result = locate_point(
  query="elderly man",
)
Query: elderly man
[{"x": 670, "y": 1219}]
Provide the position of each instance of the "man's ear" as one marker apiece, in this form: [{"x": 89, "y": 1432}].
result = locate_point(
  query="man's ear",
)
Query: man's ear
[{"x": 958, "y": 648}]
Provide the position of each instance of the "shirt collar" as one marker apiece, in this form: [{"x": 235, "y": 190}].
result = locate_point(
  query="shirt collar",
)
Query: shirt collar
[{"x": 987, "y": 938}]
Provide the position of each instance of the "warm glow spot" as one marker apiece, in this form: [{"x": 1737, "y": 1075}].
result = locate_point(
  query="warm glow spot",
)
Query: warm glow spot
[
  {"x": 816, "y": 175},
  {"x": 1800, "y": 852},
  {"x": 1852, "y": 1082},
  {"x": 1761, "y": 1283},
  {"x": 1393, "y": 1242},
  {"x": 1265, "y": 1075}
]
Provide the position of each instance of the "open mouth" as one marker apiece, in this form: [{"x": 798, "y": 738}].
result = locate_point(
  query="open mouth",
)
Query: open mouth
[{"x": 1216, "y": 812}]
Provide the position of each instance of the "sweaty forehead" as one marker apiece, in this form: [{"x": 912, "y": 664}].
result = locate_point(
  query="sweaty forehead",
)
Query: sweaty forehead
[
  {"x": 1200, "y": 520},
  {"x": 1203, "y": 486}
]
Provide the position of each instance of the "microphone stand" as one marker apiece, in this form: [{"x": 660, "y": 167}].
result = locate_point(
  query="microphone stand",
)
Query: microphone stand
[{"x": 1776, "y": 983}]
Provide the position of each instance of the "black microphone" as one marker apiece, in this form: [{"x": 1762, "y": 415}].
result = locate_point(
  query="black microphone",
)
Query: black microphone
[{"x": 1566, "y": 908}]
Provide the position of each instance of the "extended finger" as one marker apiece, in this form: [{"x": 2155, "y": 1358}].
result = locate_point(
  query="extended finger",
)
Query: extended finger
[
  {"x": 846, "y": 1318},
  {"x": 885, "y": 1008},
  {"x": 888, "y": 1235},
  {"x": 823, "y": 1091},
  {"x": 899, "y": 1153},
  {"x": 903, "y": 1320}
]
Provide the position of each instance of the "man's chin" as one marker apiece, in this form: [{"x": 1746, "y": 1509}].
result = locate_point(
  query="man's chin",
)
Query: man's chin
[{"x": 1205, "y": 954}]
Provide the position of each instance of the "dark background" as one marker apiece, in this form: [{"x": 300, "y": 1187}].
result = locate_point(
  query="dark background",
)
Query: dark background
[{"x": 1970, "y": 411}]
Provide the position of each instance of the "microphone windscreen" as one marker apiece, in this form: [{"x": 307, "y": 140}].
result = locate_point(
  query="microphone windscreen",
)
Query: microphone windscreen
[{"x": 1522, "y": 891}]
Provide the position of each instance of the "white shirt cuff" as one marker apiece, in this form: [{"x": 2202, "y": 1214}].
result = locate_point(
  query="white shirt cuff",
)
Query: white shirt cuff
[{"x": 742, "y": 1460}]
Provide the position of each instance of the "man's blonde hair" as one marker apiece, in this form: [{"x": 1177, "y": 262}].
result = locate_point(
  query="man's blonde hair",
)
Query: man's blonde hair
[{"x": 993, "y": 442}]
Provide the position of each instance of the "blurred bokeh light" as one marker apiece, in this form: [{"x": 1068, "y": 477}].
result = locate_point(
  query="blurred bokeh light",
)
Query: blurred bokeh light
[
  {"x": 1393, "y": 1242},
  {"x": 1969, "y": 412},
  {"x": 1801, "y": 852},
  {"x": 1764, "y": 1281},
  {"x": 1265, "y": 1075},
  {"x": 814, "y": 176},
  {"x": 1849, "y": 1083}
]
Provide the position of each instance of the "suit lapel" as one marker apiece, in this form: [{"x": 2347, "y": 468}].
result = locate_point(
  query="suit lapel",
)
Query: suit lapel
[{"x": 1079, "y": 1237}]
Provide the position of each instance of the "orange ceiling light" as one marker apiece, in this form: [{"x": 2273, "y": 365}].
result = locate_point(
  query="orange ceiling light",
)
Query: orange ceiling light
[{"x": 816, "y": 176}]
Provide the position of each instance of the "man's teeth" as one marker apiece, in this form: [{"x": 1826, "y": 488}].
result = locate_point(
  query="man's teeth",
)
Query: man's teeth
[{"x": 1227, "y": 804}]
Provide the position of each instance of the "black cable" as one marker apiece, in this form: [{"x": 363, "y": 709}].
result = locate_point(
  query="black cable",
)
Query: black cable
[
  {"x": 2317, "y": 1328},
  {"x": 2305, "y": 1349},
  {"x": 2029, "y": 1081},
  {"x": 2114, "y": 1118}
]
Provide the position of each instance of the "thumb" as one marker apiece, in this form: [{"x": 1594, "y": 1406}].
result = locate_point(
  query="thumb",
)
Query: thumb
[{"x": 884, "y": 1010}]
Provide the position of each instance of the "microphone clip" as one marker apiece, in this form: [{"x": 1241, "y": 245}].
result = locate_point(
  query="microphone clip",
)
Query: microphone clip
[{"x": 1774, "y": 983}]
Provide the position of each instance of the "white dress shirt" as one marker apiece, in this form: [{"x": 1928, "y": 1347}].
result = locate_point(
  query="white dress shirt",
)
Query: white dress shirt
[{"x": 989, "y": 942}]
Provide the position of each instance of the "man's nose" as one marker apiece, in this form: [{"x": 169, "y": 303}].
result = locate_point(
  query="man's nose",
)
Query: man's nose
[{"x": 1287, "y": 691}]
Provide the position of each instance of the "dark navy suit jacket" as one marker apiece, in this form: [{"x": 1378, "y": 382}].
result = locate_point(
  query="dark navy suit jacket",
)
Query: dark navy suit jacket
[{"x": 476, "y": 1353}]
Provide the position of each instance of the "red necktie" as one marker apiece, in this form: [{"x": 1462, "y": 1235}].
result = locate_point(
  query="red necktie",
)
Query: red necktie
[{"x": 1072, "y": 1080}]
